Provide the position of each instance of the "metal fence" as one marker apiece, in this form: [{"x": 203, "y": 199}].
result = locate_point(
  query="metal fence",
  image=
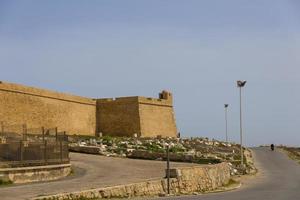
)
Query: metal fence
[
  {"x": 31, "y": 147},
  {"x": 22, "y": 131}
]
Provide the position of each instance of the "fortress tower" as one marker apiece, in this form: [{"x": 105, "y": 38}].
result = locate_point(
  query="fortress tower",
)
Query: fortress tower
[{"x": 146, "y": 117}]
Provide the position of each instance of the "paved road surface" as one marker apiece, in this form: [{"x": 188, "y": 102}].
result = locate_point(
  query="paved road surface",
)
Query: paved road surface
[
  {"x": 279, "y": 180},
  {"x": 91, "y": 171}
]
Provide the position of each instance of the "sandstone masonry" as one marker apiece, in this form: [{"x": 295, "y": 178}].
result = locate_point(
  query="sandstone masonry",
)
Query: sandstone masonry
[
  {"x": 147, "y": 117},
  {"x": 124, "y": 116},
  {"x": 184, "y": 180}
]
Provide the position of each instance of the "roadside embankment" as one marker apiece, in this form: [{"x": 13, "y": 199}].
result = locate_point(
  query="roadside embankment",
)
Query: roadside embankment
[
  {"x": 292, "y": 152},
  {"x": 184, "y": 180}
]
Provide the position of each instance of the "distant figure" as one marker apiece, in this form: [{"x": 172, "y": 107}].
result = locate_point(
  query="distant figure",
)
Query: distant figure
[
  {"x": 178, "y": 135},
  {"x": 272, "y": 147}
]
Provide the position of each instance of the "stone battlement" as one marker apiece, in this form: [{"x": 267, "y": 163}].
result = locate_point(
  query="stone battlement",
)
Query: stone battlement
[
  {"x": 117, "y": 99},
  {"x": 37, "y": 92},
  {"x": 165, "y": 99}
]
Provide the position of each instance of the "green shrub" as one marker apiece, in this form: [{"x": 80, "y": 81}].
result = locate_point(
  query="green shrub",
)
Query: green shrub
[
  {"x": 154, "y": 147},
  {"x": 176, "y": 149}
]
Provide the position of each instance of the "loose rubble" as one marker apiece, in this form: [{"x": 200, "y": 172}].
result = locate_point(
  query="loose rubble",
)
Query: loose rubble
[{"x": 196, "y": 150}]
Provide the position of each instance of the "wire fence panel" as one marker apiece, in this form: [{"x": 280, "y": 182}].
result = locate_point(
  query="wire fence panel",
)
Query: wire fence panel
[
  {"x": 22, "y": 146},
  {"x": 10, "y": 152},
  {"x": 25, "y": 153},
  {"x": 34, "y": 131},
  {"x": 18, "y": 132}
]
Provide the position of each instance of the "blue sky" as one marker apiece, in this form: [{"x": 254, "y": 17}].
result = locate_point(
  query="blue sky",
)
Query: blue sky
[{"x": 196, "y": 49}]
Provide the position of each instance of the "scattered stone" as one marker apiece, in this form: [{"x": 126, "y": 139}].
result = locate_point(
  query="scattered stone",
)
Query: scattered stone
[{"x": 199, "y": 150}]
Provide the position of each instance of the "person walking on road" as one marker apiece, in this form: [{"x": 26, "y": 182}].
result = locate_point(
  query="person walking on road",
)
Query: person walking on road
[{"x": 272, "y": 147}]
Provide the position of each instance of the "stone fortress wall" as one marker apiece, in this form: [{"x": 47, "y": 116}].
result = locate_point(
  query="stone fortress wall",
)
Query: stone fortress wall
[
  {"x": 118, "y": 117},
  {"x": 146, "y": 117},
  {"x": 157, "y": 116},
  {"x": 124, "y": 116},
  {"x": 42, "y": 108}
]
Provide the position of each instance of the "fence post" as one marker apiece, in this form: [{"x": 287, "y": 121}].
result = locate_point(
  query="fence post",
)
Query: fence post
[
  {"x": 21, "y": 150},
  {"x": 61, "y": 151},
  {"x": 168, "y": 169},
  {"x": 65, "y": 137},
  {"x": 45, "y": 151},
  {"x": 56, "y": 133},
  {"x": 43, "y": 133},
  {"x": 2, "y": 127},
  {"x": 24, "y": 132}
]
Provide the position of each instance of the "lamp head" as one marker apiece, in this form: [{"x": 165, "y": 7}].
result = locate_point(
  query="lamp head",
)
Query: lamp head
[
  {"x": 226, "y": 105},
  {"x": 241, "y": 83}
]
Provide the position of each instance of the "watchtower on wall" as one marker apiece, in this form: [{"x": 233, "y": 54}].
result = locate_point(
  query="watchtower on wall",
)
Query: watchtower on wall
[
  {"x": 166, "y": 95},
  {"x": 144, "y": 116}
]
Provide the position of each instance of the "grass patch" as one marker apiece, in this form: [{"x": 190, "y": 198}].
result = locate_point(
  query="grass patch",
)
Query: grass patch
[
  {"x": 154, "y": 148},
  {"x": 207, "y": 161},
  {"x": 176, "y": 149},
  {"x": 3, "y": 183},
  {"x": 231, "y": 182},
  {"x": 72, "y": 172}
]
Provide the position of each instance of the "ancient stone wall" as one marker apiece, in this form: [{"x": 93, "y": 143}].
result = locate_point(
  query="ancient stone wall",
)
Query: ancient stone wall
[
  {"x": 124, "y": 116},
  {"x": 157, "y": 117},
  {"x": 36, "y": 107},
  {"x": 146, "y": 117},
  {"x": 201, "y": 179},
  {"x": 118, "y": 117}
]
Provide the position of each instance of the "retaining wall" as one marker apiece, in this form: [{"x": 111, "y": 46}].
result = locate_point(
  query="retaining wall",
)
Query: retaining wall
[
  {"x": 184, "y": 181},
  {"x": 34, "y": 174}
]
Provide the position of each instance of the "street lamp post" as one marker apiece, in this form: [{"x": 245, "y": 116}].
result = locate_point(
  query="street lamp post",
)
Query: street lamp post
[
  {"x": 226, "y": 127},
  {"x": 241, "y": 84}
]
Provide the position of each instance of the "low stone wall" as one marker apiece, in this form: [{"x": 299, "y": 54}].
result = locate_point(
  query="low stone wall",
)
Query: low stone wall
[
  {"x": 184, "y": 181},
  {"x": 34, "y": 174},
  {"x": 200, "y": 179},
  {"x": 177, "y": 157},
  {"x": 85, "y": 149}
]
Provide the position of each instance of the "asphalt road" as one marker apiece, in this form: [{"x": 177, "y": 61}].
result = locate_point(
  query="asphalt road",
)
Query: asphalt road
[
  {"x": 279, "y": 179},
  {"x": 91, "y": 171}
]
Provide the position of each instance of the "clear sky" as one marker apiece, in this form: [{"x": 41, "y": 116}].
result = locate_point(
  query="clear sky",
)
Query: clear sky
[{"x": 196, "y": 49}]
